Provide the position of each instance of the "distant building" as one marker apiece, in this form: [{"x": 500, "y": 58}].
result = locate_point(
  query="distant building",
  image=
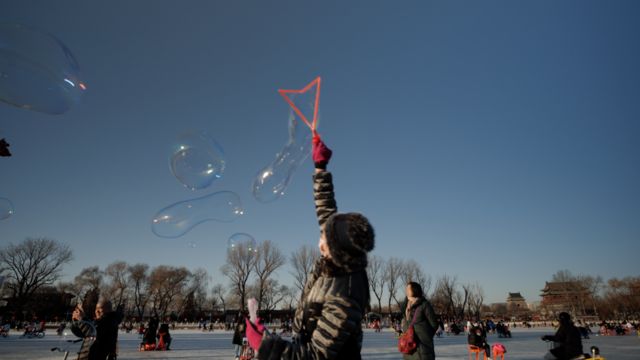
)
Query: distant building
[
  {"x": 517, "y": 306},
  {"x": 569, "y": 296},
  {"x": 515, "y": 301}
]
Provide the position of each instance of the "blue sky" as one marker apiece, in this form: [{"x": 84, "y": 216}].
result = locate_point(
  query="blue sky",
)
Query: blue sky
[{"x": 493, "y": 141}]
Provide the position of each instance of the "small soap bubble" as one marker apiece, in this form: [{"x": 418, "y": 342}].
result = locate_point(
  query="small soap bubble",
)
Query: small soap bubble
[
  {"x": 179, "y": 218},
  {"x": 242, "y": 242},
  {"x": 6, "y": 208},
  {"x": 197, "y": 160},
  {"x": 66, "y": 342},
  {"x": 37, "y": 71}
]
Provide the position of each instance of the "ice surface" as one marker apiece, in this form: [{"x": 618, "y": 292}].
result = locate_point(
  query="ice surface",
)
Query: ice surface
[{"x": 193, "y": 344}]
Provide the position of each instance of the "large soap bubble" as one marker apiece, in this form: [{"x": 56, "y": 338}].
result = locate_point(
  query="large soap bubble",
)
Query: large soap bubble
[
  {"x": 242, "y": 243},
  {"x": 197, "y": 160},
  {"x": 37, "y": 71},
  {"x": 6, "y": 208},
  {"x": 177, "y": 219},
  {"x": 271, "y": 181}
]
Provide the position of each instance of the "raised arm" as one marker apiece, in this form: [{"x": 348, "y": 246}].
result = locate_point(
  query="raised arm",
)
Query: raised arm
[{"x": 323, "y": 194}]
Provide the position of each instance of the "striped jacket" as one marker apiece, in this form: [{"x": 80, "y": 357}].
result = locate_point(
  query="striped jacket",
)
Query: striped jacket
[
  {"x": 333, "y": 302},
  {"x": 87, "y": 331}
]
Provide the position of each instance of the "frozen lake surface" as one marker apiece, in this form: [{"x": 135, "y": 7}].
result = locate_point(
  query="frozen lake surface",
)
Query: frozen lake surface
[{"x": 191, "y": 345}]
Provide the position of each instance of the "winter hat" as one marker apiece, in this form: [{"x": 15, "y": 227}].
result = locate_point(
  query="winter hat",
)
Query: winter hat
[
  {"x": 564, "y": 317},
  {"x": 349, "y": 236}
]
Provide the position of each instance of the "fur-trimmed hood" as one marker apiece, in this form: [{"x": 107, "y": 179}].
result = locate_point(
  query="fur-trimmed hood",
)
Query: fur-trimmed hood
[{"x": 349, "y": 237}]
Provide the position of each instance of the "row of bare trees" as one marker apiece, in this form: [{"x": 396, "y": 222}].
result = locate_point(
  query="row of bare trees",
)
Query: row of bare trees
[
  {"x": 591, "y": 295},
  {"x": 260, "y": 265},
  {"x": 36, "y": 264},
  {"x": 451, "y": 299},
  {"x": 250, "y": 272},
  {"x": 158, "y": 291}
]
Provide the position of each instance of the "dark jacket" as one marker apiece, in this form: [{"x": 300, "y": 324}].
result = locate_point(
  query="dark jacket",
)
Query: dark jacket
[
  {"x": 475, "y": 339},
  {"x": 425, "y": 327},
  {"x": 105, "y": 331},
  {"x": 333, "y": 303},
  {"x": 150, "y": 333},
  {"x": 106, "y": 336},
  {"x": 239, "y": 333},
  {"x": 569, "y": 342}
]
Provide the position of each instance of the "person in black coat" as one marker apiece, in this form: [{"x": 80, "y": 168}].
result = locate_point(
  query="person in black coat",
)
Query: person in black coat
[
  {"x": 239, "y": 334},
  {"x": 567, "y": 338},
  {"x": 105, "y": 327},
  {"x": 149, "y": 337},
  {"x": 425, "y": 322},
  {"x": 164, "y": 337},
  {"x": 478, "y": 338}
]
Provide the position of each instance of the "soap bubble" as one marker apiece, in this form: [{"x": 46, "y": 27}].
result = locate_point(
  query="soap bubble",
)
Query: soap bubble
[
  {"x": 197, "y": 160},
  {"x": 177, "y": 219},
  {"x": 192, "y": 244},
  {"x": 271, "y": 181},
  {"x": 37, "y": 71},
  {"x": 66, "y": 340},
  {"x": 6, "y": 208},
  {"x": 242, "y": 242}
]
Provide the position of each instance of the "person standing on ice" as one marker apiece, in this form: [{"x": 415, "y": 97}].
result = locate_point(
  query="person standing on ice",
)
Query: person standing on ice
[
  {"x": 329, "y": 315},
  {"x": 568, "y": 342},
  {"x": 419, "y": 311}
]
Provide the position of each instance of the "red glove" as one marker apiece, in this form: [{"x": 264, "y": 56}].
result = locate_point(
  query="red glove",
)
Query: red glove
[{"x": 320, "y": 152}]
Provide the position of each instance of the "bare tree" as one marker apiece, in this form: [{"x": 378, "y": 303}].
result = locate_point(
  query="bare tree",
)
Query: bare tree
[
  {"x": 476, "y": 299},
  {"x": 302, "y": 262},
  {"x": 268, "y": 259},
  {"x": 117, "y": 286},
  {"x": 461, "y": 299},
  {"x": 377, "y": 280},
  {"x": 412, "y": 272},
  {"x": 166, "y": 285},
  {"x": 196, "y": 293},
  {"x": 622, "y": 298},
  {"x": 32, "y": 264},
  {"x": 240, "y": 263},
  {"x": 290, "y": 298},
  {"x": 219, "y": 292},
  {"x": 392, "y": 272},
  {"x": 139, "y": 279},
  {"x": 448, "y": 299},
  {"x": 198, "y": 283},
  {"x": 88, "y": 281},
  {"x": 213, "y": 303},
  {"x": 274, "y": 294},
  {"x": 594, "y": 286},
  {"x": 563, "y": 276}
]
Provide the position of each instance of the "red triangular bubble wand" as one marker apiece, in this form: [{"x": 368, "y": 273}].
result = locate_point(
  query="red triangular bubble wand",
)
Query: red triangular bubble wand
[{"x": 311, "y": 124}]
